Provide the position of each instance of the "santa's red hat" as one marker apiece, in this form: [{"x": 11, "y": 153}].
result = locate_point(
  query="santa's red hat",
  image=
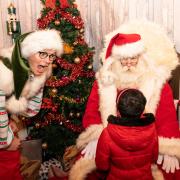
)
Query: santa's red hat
[{"x": 125, "y": 46}]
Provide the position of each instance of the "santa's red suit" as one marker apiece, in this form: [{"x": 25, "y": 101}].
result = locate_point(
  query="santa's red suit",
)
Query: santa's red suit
[
  {"x": 166, "y": 121},
  {"x": 157, "y": 58}
]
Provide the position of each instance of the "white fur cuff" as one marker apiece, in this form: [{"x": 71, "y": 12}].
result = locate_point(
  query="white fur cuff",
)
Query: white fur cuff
[
  {"x": 16, "y": 106},
  {"x": 169, "y": 146},
  {"x": 91, "y": 133}
]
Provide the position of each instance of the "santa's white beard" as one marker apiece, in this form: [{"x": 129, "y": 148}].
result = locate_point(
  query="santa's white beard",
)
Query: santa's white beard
[{"x": 128, "y": 76}]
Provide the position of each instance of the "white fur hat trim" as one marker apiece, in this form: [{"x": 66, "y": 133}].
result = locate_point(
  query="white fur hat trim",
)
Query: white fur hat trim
[
  {"x": 40, "y": 40},
  {"x": 128, "y": 50}
]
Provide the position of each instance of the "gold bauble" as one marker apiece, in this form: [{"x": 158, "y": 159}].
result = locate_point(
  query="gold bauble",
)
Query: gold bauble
[
  {"x": 44, "y": 145},
  {"x": 90, "y": 66},
  {"x": 78, "y": 114},
  {"x": 77, "y": 60},
  {"x": 53, "y": 78},
  {"x": 79, "y": 81},
  {"x": 81, "y": 30},
  {"x": 37, "y": 125},
  {"x": 54, "y": 66},
  {"x": 75, "y": 43},
  {"x": 57, "y": 22},
  {"x": 23, "y": 118},
  {"x": 71, "y": 114},
  {"x": 54, "y": 91},
  {"x": 68, "y": 49}
]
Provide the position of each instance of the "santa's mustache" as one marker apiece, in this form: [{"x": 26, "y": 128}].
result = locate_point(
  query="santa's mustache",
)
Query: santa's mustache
[{"x": 128, "y": 69}]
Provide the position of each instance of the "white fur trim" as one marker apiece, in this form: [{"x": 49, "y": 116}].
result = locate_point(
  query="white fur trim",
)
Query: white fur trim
[
  {"x": 16, "y": 106},
  {"x": 107, "y": 90},
  {"x": 91, "y": 133},
  {"x": 6, "y": 79},
  {"x": 81, "y": 169},
  {"x": 40, "y": 40},
  {"x": 107, "y": 101},
  {"x": 32, "y": 87},
  {"x": 169, "y": 146},
  {"x": 128, "y": 50}
]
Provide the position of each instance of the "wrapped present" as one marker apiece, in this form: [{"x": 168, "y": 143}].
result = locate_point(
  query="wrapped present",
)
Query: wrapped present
[{"x": 32, "y": 149}]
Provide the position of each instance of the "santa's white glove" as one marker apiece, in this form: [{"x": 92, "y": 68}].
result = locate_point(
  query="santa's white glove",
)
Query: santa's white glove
[
  {"x": 105, "y": 74},
  {"x": 89, "y": 151},
  {"x": 169, "y": 163},
  {"x": 107, "y": 78}
]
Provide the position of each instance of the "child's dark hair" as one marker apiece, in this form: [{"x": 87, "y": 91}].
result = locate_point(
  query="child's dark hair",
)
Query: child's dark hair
[{"x": 131, "y": 103}]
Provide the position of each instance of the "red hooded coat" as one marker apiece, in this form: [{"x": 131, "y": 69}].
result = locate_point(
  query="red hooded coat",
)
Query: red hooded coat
[{"x": 127, "y": 151}]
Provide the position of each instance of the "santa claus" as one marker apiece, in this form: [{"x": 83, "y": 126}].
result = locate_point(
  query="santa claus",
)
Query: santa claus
[{"x": 136, "y": 55}]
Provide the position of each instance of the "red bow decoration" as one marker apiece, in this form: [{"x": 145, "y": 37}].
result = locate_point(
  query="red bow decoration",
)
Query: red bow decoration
[
  {"x": 52, "y": 4},
  {"x": 64, "y": 4},
  {"x": 48, "y": 103}
]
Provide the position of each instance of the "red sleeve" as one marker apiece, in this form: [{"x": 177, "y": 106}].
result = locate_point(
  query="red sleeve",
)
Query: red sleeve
[
  {"x": 166, "y": 120},
  {"x": 103, "y": 151},
  {"x": 92, "y": 114}
]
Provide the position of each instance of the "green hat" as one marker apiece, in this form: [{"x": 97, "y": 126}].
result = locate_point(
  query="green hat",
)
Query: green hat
[{"x": 20, "y": 67}]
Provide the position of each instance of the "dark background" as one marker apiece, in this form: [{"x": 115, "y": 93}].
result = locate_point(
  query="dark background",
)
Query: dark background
[{"x": 174, "y": 81}]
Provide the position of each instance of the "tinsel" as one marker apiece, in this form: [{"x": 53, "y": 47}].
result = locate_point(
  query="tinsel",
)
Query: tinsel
[
  {"x": 48, "y": 104},
  {"x": 52, "y": 4},
  {"x": 50, "y": 16},
  {"x": 59, "y": 118},
  {"x": 73, "y": 101},
  {"x": 76, "y": 71}
]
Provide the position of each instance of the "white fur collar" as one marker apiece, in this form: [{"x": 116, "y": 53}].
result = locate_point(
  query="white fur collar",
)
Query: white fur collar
[
  {"x": 150, "y": 82},
  {"x": 30, "y": 89}
]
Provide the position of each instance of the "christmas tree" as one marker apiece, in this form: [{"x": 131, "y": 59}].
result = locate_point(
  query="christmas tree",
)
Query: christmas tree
[{"x": 59, "y": 121}]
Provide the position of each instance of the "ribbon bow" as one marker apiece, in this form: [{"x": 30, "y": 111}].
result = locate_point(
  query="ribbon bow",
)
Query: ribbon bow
[{"x": 52, "y": 4}]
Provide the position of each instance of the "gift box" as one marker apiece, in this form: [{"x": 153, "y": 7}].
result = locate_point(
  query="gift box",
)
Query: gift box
[{"x": 32, "y": 149}]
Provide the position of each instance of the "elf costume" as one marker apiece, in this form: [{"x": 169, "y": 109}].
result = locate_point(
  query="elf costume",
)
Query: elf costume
[
  {"x": 20, "y": 90},
  {"x": 157, "y": 58}
]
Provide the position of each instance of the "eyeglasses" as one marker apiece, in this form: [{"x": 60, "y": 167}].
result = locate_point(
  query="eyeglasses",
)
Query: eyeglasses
[
  {"x": 44, "y": 55},
  {"x": 133, "y": 61}
]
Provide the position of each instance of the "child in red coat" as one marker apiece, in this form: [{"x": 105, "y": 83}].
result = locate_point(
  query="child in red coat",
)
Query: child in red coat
[{"x": 128, "y": 145}]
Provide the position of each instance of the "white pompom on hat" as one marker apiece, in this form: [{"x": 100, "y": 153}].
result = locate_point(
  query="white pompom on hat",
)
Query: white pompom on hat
[
  {"x": 40, "y": 40},
  {"x": 125, "y": 46}
]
